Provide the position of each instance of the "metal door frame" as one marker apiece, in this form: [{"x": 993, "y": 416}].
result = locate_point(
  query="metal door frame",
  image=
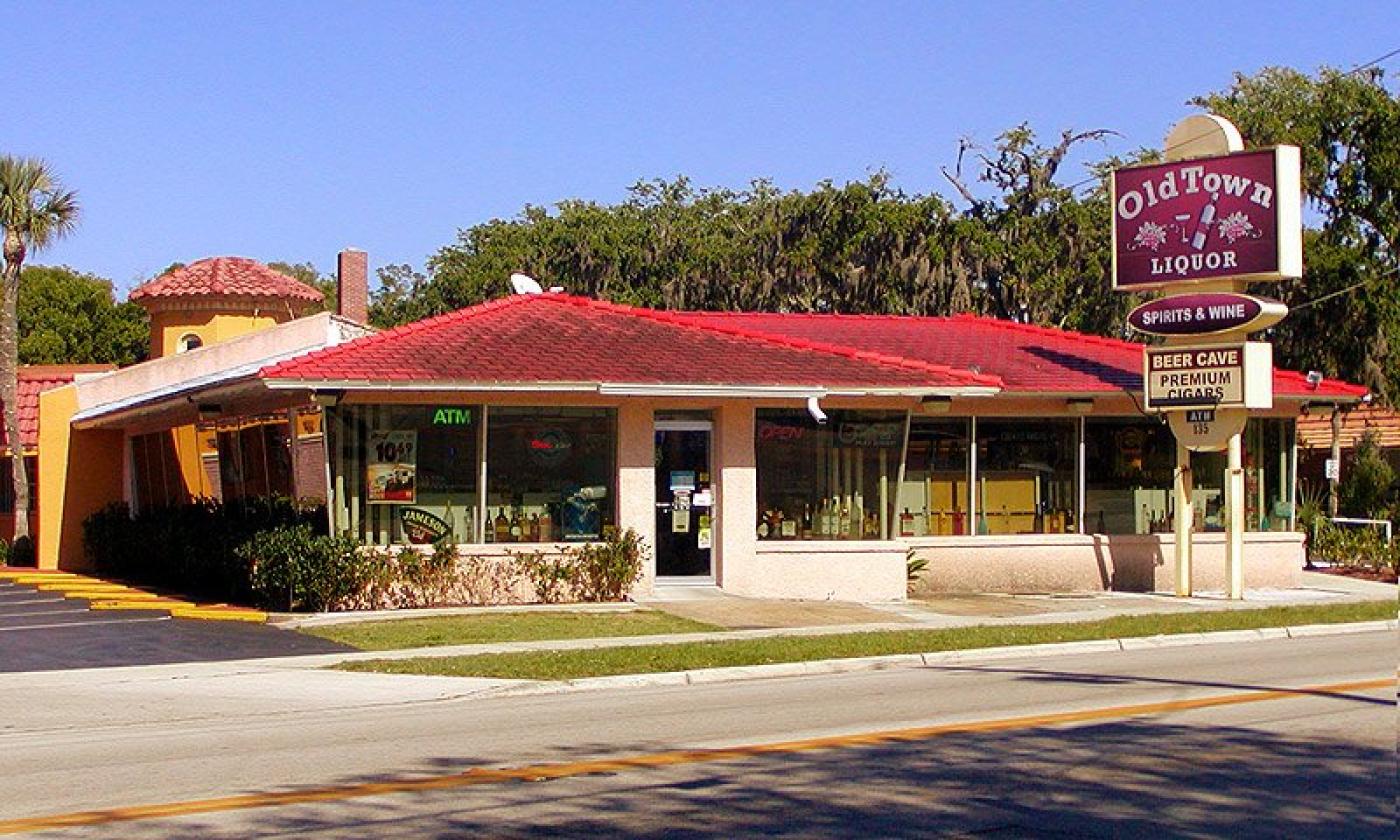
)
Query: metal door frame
[{"x": 696, "y": 425}]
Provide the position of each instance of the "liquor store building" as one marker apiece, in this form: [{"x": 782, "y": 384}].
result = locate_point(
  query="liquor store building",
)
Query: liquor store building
[{"x": 776, "y": 455}]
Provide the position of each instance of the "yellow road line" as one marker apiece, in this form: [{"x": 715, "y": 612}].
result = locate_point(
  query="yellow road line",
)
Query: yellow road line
[{"x": 671, "y": 758}]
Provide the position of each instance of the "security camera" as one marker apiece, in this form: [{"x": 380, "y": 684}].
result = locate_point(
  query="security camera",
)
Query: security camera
[
  {"x": 814, "y": 408},
  {"x": 1314, "y": 378}
]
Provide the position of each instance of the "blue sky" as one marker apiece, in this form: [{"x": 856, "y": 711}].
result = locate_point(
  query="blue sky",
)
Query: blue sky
[{"x": 288, "y": 130}]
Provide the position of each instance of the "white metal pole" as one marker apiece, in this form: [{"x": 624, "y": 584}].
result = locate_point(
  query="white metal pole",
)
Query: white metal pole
[
  {"x": 1081, "y": 479},
  {"x": 1185, "y": 516},
  {"x": 1234, "y": 499},
  {"x": 972, "y": 478}
]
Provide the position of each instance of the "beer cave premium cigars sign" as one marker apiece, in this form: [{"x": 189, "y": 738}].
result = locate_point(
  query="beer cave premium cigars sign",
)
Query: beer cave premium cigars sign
[
  {"x": 1206, "y": 314},
  {"x": 1208, "y": 376},
  {"x": 1235, "y": 216}
]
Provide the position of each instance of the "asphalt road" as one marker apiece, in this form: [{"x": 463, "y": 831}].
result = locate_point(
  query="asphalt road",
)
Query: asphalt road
[
  {"x": 1319, "y": 764},
  {"x": 42, "y": 631}
]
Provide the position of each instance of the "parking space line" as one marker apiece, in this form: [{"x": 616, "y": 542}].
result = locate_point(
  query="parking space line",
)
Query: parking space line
[{"x": 86, "y": 623}]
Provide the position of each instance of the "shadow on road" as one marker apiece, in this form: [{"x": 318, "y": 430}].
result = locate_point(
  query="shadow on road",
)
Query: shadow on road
[
  {"x": 1135, "y": 778},
  {"x": 1043, "y": 675}
]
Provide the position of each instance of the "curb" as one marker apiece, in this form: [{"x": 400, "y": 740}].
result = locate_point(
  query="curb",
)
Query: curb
[{"x": 903, "y": 661}]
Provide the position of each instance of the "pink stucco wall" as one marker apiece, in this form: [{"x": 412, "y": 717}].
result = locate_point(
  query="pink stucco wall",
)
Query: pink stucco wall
[
  {"x": 736, "y": 497},
  {"x": 826, "y": 570},
  {"x": 636, "y": 483},
  {"x": 1083, "y": 562}
]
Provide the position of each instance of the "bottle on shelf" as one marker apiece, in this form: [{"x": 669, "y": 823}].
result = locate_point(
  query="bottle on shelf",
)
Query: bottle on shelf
[
  {"x": 502, "y": 526},
  {"x": 906, "y": 524},
  {"x": 546, "y": 527},
  {"x": 517, "y": 529},
  {"x": 533, "y": 529},
  {"x": 807, "y": 525},
  {"x": 843, "y": 522}
]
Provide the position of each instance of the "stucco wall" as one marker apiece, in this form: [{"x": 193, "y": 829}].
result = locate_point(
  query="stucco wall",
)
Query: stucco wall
[
  {"x": 1096, "y": 563},
  {"x": 82, "y": 470},
  {"x": 737, "y": 568},
  {"x": 825, "y": 571},
  {"x": 636, "y": 484}
]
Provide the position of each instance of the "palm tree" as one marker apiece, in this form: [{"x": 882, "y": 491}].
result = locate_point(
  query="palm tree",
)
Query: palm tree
[{"x": 35, "y": 210}]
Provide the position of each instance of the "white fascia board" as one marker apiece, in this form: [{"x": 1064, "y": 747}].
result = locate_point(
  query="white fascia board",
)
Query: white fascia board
[
  {"x": 415, "y": 385},
  {"x": 946, "y": 391},
  {"x": 626, "y": 389},
  {"x": 629, "y": 389}
]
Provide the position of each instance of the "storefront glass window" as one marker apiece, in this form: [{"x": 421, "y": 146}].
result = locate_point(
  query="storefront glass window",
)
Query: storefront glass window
[
  {"x": 255, "y": 458},
  {"x": 827, "y": 482},
  {"x": 550, "y": 474},
  {"x": 1128, "y": 465},
  {"x": 1268, "y": 477},
  {"x": 1025, "y": 476},
  {"x": 934, "y": 498},
  {"x": 406, "y": 473}
]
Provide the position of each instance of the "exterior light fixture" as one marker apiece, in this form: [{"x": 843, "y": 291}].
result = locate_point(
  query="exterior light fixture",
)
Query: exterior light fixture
[
  {"x": 327, "y": 399},
  {"x": 935, "y": 404},
  {"x": 1080, "y": 406}
]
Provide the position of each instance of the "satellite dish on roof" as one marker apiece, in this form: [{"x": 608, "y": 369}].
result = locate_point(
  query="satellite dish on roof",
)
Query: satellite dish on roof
[{"x": 524, "y": 284}]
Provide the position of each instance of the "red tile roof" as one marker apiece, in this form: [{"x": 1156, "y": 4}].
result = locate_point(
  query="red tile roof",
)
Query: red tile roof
[
  {"x": 33, "y": 380},
  {"x": 1315, "y": 430},
  {"x": 1026, "y": 358},
  {"x": 555, "y": 338},
  {"x": 226, "y": 276}
]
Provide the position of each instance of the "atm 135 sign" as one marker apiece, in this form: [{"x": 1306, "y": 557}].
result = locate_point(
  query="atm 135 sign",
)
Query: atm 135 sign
[{"x": 1236, "y": 216}]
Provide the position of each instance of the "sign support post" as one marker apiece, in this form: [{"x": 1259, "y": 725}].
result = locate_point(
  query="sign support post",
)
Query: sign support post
[
  {"x": 1234, "y": 525},
  {"x": 1185, "y": 515}
]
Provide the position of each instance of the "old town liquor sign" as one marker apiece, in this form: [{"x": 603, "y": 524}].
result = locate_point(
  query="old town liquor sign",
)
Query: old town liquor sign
[{"x": 1235, "y": 217}]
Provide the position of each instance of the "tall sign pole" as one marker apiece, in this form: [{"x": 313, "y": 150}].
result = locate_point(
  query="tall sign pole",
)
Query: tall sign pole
[{"x": 1213, "y": 218}]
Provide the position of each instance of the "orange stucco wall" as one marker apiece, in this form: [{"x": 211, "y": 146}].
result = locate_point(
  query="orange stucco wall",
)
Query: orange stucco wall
[
  {"x": 211, "y": 326},
  {"x": 82, "y": 472}
]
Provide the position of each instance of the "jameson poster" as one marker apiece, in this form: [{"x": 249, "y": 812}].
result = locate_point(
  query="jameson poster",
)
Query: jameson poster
[{"x": 391, "y": 471}]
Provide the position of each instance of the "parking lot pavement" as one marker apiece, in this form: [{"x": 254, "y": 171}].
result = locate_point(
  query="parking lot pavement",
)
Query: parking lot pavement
[{"x": 42, "y": 631}]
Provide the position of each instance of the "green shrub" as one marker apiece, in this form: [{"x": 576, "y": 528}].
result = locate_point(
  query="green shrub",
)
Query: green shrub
[
  {"x": 189, "y": 548},
  {"x": 554, "y": 576},
  {"x": 1367, "y": 486},
  {"x": 21, "y": 553},
  {"x": 1355, "y": 547},
  {"x": 291, "y": 567},
  {"x": 608, "y": 569}
]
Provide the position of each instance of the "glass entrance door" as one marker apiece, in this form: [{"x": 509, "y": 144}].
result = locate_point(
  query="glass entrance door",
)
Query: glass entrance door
[{"x": 685, "y": 524}]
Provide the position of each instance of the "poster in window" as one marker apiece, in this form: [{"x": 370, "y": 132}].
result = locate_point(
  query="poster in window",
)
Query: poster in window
[{"x": 391, "y": 469}]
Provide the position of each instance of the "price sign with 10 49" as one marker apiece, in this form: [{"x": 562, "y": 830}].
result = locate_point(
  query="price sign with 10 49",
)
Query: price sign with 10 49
[{"x": 393, "y": 447}]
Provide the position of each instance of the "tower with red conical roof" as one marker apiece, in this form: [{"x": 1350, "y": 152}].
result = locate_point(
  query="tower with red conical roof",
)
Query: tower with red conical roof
[{"x": 219, "y": 298}]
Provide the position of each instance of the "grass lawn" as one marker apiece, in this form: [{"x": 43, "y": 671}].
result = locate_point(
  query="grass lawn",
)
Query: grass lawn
[
  {"x": 400, "y": 633},
  {"x": 561, "y": 665}
]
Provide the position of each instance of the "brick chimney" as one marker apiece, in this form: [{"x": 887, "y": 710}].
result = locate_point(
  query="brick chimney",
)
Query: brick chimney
[{"x": 352, "y": 285}]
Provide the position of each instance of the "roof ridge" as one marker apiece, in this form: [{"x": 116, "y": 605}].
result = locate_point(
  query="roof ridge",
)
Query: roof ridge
[{"x": 687, "y": 321}]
